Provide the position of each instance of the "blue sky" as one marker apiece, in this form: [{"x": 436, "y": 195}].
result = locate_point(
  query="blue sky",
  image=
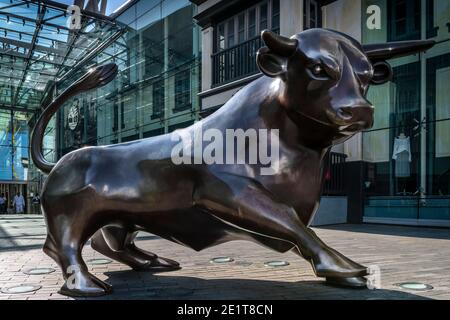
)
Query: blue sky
[{"x": 112, "y": 4}]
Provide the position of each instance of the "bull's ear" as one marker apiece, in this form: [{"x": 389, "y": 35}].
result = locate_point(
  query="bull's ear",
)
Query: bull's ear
[
  {"x": 382, "y": 73},
  {"x": 271, "y": 64},
  {"x": 272, "y": 60}
]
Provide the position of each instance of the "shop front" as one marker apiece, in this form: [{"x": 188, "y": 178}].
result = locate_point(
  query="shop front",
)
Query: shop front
[{"x": 407, "y": 154}]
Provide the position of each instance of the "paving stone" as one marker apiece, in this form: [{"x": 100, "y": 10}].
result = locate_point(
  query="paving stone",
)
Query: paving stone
[{"x": 404, "y": 254}]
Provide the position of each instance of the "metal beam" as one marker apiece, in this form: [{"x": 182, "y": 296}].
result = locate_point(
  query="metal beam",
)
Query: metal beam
[
  {"x": 61, "y": 6},
  {"x": 18, "y": 109},
  {"x": 92, "y": 54},
  {"x": 41, "y": 14},
  {"x": 34, "y": 21},
  {"x": 75, "y": 37},
  {"x": 30, "y": 46}
]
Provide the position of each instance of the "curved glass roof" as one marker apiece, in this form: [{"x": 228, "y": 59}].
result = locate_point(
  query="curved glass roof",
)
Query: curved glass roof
[{"x": 39, "y": 46}]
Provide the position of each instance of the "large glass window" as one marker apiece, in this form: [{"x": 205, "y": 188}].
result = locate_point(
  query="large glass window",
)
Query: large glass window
[
  {"x": 182, "y": 90},
  {"x": 14, "y": 146},
  {"x": 238, "y": 40},
  {"x": 312, "y": 15},
  {"x": 157, "y": 85},
  {"x": 404, "y": 19},
  {"x": 158, "y": 99},
  {"x": 407, "y": 155},
  {"x": 248, "y": 24}
]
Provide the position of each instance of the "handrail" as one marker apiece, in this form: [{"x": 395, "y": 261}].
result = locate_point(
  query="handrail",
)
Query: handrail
[
  {"x": 335, "y": 175},
  {"x": 235, "y": 46},
  {"x": 235, "y": 62}
]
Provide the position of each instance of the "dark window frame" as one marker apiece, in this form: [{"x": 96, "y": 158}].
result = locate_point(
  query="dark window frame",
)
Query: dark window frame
[
  {"x": 411, "y": 32},
  {"x": 158, "y": 99},
  {"x": 307, "y": 14},
  {"x": 182, "y": 90},
  {"x": 234, "y": 21}
]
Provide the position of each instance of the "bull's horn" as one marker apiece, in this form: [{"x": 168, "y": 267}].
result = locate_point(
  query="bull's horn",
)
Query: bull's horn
[
  {"x": 279, "y": 44},
  {"x": 384, "y": 51}
]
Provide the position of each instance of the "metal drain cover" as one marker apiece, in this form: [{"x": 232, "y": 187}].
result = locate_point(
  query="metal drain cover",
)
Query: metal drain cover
[
  {"x": 415, "y": 286},
  {"x": 222, "y": 260},
  {"x": 38, "y": 271},
  {"x": 23, "y": 288},
  {"x": 97, "y": 262},
  {"x": 276, "y": 264}
]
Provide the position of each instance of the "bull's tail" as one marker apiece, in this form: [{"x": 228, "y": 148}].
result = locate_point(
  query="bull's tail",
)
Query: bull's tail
[{"x": 94, "y": 78}]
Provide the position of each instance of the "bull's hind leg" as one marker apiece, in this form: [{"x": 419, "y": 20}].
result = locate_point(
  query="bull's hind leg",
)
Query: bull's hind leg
[
  {"x": 67, "y": 234},
  {"x": 118, "y": 243},
  {"x": 251, "y": 208}
]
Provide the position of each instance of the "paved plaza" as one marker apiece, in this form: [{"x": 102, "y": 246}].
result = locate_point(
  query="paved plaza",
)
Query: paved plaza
[{"x": 403, "y": 254}]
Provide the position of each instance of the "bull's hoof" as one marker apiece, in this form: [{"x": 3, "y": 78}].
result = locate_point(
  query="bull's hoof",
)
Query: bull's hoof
[
  {"x": 92, "y": 287},
  {"x": 159, "y": 264},
  {"x": 355, "y": 283},
  {"x": 339, "y": 271},
  {"x": 331, "y": 264}
]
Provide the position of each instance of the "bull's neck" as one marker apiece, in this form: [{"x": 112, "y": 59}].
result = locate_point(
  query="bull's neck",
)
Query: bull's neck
[{"x": 296, "y": 131}]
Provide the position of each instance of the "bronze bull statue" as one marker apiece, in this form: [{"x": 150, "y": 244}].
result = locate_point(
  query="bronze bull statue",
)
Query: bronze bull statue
[{"x": 313, "y": 93}]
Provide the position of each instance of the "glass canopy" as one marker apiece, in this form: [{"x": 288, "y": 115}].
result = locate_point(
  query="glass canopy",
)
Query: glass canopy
[{"x": 39, "y": 46}]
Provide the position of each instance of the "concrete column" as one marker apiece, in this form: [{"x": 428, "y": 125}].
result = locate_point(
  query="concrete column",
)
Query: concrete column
[
  {"x": 291, "y": 17},
  {"x": 423, "y": 104},
  {"x": 345, "y": 16},
  {"x": 207, "y": 51},
  {"x": 195, "y": 71},
  {"x": 166, "y": 78},
  {"x": 140, "y": 76},
  {"x": 119, "y": 119}
]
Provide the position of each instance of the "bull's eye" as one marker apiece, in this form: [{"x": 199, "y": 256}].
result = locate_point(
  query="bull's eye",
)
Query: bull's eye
[{"x": 317, "y": 70}]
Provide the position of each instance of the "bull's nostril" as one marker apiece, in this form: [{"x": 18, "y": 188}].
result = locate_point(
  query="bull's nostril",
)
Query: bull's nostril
[{"x": 345, "y": 114}]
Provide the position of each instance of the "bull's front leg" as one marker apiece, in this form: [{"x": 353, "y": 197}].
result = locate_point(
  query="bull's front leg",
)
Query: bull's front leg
[{"x": 239, "y": 202}]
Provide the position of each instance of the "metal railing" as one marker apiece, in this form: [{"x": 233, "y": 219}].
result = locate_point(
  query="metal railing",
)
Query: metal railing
[
  {"x": 235, "y": 62},
  {"x": 335, "y": 175}
]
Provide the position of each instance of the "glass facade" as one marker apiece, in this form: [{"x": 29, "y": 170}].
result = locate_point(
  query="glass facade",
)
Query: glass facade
[
  {"x": 407, "y": 153},
  {"x": 157, "y": 86},
  {"x": 40, "y": 44},
  {"x": 14, "y": 146}
]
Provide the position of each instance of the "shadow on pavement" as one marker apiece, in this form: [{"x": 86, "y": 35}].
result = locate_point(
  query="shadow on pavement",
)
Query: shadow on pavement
[
  {"x": 6, "y": 239},
  {"x": 130, "y": 285}
]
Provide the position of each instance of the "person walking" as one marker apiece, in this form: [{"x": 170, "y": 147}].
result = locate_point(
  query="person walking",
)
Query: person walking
[
  {"x": 36, "y": 201},
  {"x": 19, "y": 203},
  {"x": 2, "y": 204}
]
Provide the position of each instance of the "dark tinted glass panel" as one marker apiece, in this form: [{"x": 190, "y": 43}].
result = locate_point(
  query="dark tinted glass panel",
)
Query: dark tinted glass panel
[
  {"x": 180, "y": 41},
  {"x": 263, "y": 17},
  {"x": 158, "y": 98},
  {"x": 221, "y": 37},
  {"x": 241, "y": 28},
  {"x": 182, "y": 90},
  {"x": 230, "y": 30},
  {"x": 275, "y": 15},
  {"x": 252, "y": 23}
]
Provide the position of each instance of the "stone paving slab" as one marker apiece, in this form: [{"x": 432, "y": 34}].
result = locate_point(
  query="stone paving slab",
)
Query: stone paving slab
[{"x": 403, "y": 254}]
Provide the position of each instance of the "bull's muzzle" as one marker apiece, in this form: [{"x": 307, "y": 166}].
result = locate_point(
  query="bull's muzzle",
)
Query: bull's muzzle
[{"x": 353, "y": 119}]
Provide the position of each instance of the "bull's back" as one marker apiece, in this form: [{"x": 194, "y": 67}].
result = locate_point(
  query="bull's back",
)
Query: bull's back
[{"x": 138, "y": 177}]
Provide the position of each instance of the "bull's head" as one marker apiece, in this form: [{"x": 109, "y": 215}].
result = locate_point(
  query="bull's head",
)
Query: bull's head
[{"x": 327, "y": 74}]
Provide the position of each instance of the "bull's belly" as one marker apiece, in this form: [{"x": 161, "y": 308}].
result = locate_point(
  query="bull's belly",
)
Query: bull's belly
[{"x": 198, "y": 229}]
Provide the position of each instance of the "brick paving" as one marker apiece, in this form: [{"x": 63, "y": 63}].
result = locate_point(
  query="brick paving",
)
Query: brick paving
[{"x": 404, "y": 254}]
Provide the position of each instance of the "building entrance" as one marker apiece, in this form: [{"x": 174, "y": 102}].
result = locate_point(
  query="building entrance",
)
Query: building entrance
[{"x": 9, "y": 191}]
